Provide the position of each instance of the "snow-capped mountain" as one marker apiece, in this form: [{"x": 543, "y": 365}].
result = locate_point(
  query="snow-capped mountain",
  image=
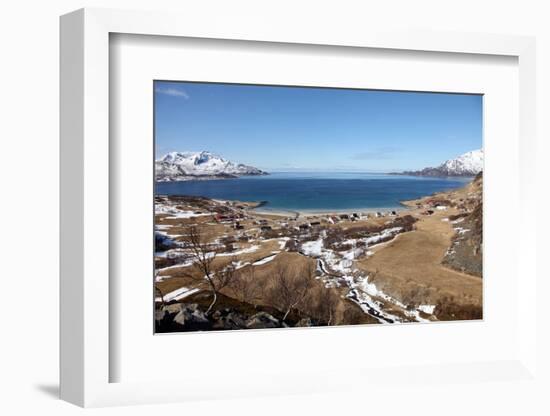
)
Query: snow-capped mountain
[
  {"x": 182, "y": 166},
  {"x": 470, "y": 163},
  {"x": 467, "y": 164}
]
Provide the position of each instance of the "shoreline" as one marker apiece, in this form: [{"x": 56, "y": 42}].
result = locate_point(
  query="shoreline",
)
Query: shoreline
[
  {"x": 262, "y": 207},
  {"x": 320, "y": 212}
]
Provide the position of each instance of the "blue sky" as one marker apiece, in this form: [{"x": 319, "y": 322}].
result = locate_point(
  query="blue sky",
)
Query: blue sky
[{"x": 286, "y": 128}]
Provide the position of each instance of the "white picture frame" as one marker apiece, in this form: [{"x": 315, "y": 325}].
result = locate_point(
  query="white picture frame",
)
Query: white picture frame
[{"x": 85, "y": 211}]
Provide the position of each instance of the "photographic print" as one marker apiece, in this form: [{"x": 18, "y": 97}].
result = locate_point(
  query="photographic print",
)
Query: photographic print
[{"x": 288, "y": 206}]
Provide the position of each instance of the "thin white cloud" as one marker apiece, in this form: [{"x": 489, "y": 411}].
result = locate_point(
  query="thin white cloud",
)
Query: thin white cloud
[
  {"x": 386, "y": 152},
  {"x": 173, "y": 92}
]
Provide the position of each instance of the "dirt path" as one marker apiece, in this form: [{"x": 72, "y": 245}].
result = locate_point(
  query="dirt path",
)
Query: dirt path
[{"x": 409, "y": 267}]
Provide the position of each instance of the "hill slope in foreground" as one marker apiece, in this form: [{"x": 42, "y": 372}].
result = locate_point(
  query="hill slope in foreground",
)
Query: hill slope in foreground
[
  {"x": 440, "y": 262},
  {"x": 417, "y": 265}
]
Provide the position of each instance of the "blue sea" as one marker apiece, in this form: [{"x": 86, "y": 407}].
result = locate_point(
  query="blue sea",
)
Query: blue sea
[{"x": 316, "y": 191}]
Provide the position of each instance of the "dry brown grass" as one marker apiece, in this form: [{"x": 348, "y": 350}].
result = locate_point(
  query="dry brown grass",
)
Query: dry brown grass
[
  {"x": 168, "y": 285},
  {"x": 409, "y": 267},
  {"x": 344, "y": 312},
  {"x": 265, "y": 249}
]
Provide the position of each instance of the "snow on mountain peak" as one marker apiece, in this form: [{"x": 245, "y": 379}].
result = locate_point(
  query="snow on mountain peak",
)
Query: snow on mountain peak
[
  {"x": 174, "y": 157},
  {"x": 176, "y": 166},
  {"x": 467, "y": 163}
]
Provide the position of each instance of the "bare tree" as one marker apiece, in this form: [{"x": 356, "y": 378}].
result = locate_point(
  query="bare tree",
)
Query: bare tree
[
  {"x": 246, "y": 287},
  {"x": 162, "y": 303},
  {"x": 157, "y": 289},
  {"x": 203, "y": 263},
  {"x": 322, "y": 304},
  {"x": 328, "y": 303},
  {"x": 289, "y": 289},
  {"x": 352, "y": 315}
]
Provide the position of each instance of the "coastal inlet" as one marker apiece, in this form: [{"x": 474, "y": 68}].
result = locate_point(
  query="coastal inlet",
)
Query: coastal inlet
[{"x": 317, "y": 191}]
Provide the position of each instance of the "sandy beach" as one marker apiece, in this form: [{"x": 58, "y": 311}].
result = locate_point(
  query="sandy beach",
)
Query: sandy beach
[{"x": 320, "y": 213}]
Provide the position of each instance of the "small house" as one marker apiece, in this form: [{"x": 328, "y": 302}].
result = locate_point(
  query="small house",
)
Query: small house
[{"x": 222, "y": 217}]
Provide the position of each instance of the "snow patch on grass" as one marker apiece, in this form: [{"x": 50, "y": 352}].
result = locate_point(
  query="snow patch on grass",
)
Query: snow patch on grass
[
  {"x": 163, "y": 226},
  {"x": 313, "y": 248},
  {"x": 186, "y": 214},
  {"x": 177, "y": 294},
  {"x": 264, "y": 260},
  {"x": 282, "y": 242},
  {"x": 427, "y": 309},
  {"x": 176, "y": 266}
]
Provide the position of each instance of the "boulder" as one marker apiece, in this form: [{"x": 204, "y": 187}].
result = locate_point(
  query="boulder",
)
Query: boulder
[
  {"x": 191, "y": 318},
  {"x": 232, "y": 320},
  {"x": 159, "y": 314},
  {"x": 262, "y": 320},
  {"x": 304, "y": 322},
  {"x": 174, "y": 308},
  {"x": 162, "y": 319}
]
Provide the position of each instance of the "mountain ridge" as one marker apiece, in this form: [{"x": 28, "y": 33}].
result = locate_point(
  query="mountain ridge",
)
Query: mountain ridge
[
  {"x": 467, "y": 164},
  {"x": 184, "y": 166}
]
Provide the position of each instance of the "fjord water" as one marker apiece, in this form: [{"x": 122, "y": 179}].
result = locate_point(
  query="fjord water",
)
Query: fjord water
[{"x": 317, "y": 191}]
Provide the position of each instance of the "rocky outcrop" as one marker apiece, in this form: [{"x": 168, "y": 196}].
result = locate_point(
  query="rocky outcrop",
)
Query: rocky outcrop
[
  {"x": 466, "y": 251},
  {"x": 182, "y": 317},
  {"x": 192, "y": 318},
  {"x": 262, "y": 320},
  {"x": 305, "y": 322},
  {"x": 228, "y": 320}
]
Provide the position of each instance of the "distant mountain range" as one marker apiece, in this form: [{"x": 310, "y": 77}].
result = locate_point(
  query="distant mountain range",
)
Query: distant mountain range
[
  {"x": 467, "y": 164},
  {"x": 183, "y": 166}
]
